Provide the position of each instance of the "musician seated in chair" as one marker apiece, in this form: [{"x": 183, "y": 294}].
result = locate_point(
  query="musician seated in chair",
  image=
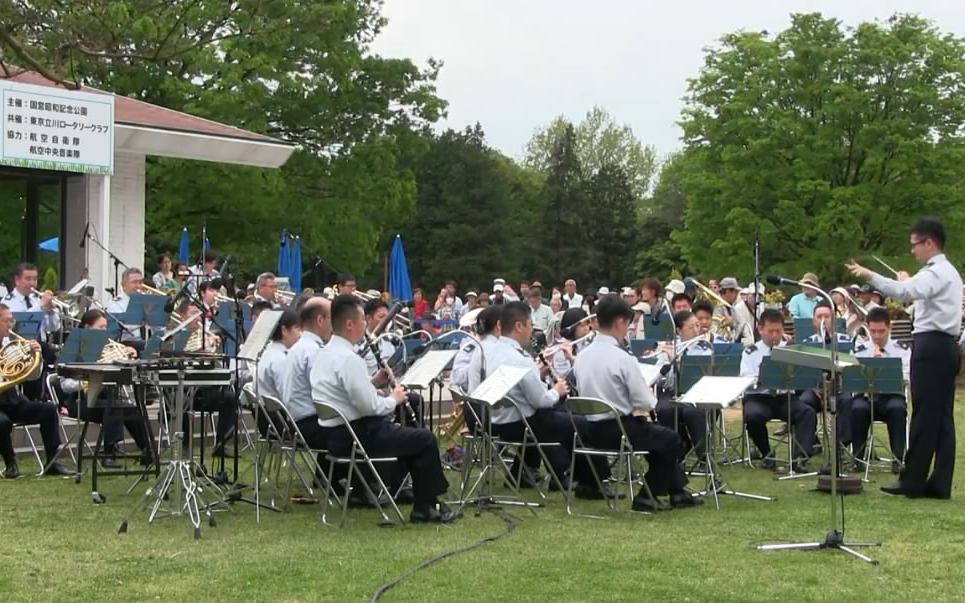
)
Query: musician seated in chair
[
  {"x": 15, "y": 408},
  {"x": 537, "y": 404},
  {"x": 22, "y": 298},
  {"x": 689, "y": 422},
  {"x": 131, "y": 281},
  {"x": 762, "y": 405},
  {"x": 605, "y": 371},
  {"x": 574, "y": 325},
  {"x": 271, "y": 365},
  {"x": 704, "y": 311},
  {"x": 376, "y": 311},
  {"x": 890, "y": 408},
  {"x": 340, "y": 377},
  {"x": 123, "y": 415}
]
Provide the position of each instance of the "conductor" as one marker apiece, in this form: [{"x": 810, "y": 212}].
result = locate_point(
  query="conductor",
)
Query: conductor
[{"x": 936, "y": 290}]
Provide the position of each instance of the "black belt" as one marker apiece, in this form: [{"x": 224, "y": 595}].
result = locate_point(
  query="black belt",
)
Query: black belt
[{"x": 933, "y": 334}]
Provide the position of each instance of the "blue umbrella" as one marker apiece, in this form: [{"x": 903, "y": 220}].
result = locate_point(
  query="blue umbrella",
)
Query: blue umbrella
[
  {"x": 183, "y": 247},
  {"x": 284, "y": 255},
  {"x": 51, "y": 245},
  {"x": 207, "y": 244},
  {"x": 400, "y": 287},
  {"x": 295, "y": 276}
]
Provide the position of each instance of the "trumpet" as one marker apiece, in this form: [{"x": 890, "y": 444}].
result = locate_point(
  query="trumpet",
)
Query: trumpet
[{"x": 71, "y": 309}]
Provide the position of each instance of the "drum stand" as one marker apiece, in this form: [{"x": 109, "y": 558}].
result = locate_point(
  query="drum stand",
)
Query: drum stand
[{"x": 179, "y": 476}]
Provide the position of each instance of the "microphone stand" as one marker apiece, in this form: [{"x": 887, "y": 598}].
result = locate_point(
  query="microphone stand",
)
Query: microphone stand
[
  {"x": 757, "y": 280},
  {"x": 117, "y": 261},
  {"x": 834, "y": 539}
]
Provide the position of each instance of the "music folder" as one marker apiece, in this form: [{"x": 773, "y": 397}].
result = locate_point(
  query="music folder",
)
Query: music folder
[
  {"x": 260, "y": 335},
  {"x": 496, "y": 386},
  {"x": 426, "y": 369},
  {"x": 716, "y": 391},
  {"x": 83, "y": 345}
]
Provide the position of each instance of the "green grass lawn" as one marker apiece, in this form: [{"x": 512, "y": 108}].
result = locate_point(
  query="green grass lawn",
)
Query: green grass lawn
[{"x": 58, "y": 546}]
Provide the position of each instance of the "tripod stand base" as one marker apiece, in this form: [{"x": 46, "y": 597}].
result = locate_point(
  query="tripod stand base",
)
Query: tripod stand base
[
  {"x": 846, "y": 484},
  {"x": 833, "y": 540}
]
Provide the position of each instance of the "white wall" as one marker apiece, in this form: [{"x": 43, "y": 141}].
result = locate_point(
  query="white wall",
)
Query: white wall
[{"x": 126, "y": 233}]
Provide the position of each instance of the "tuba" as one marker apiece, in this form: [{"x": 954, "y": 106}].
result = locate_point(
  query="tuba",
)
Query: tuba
[
  {"x": 717, "y": 327},
  {"x": 18, "y": 360}
]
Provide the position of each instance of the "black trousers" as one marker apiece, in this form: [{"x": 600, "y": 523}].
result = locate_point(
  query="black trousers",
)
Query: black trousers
[
  {"x": 934, "y": 365},
  {"x": 664, "y": 475},
  {"x": 122, "y": 416},
  {"x": 689, "y": 422},
  {"x": 14, "y": 408},
  {"x": 221, "y": 400},
  {"x": 761, "y": 408},
  {"x": 842, "y": 412},
  {"x": 416, "y": 449},
  {"x": 404, "y": 417},
  {"x": 888, "y": 408},
  {"x": 552, "y": 426}
]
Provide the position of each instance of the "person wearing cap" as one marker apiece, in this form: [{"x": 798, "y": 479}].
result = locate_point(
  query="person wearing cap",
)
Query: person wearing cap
[
  {"x": 573, "y": 326},
  {"x": 674, "y": 287},
  {"x": 636, "y": 329},
  {"x": 802, "y": 304},
  {"x": 728, "y": 289},
  {"x": 744, "y": 311},
  {"x": 471, "y": 297},
  {"x": 843, "y": 309},
  {"x": 571, "y": 299},
  {"x": 542, "y": 315},
  {"x": 866, "y": 295},
  {"x": 498, "y": 297}
]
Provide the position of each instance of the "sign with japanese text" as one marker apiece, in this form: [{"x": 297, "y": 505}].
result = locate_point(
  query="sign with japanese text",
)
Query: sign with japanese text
[{"x": 56, "y": 129}]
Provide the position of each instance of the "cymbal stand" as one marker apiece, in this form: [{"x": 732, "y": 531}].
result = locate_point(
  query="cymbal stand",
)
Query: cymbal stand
[{"x": 177, "y": 481}]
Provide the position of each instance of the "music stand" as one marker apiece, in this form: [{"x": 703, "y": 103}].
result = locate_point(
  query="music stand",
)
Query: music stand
[
  {"x": 490, "y": 395},
  {"x": 28, "y": 324},
  {"x": 874, "y": 377},
  {"x": 425, "y": 371},
  {"x": 712, "y": 394},
  {"x": 129, "y": 321},
  {"x": 779, "y": 376},
  {"x": 150, "y": 309},
  {"x": 650, "y": 372}
]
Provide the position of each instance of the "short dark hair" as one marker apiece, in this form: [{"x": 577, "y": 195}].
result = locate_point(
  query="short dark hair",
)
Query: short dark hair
[
  {"x": 652, "y": 284},
  {"x": 210, "y": 255},
  {"x": 702, "y": 305},
  {"x": 260, "y": 306},
  {"x": 90, "y": 317},
  {"x": 824, "y": 303},
  {"x": 535, "y": 292},
  {"x": 345, "y": 307},
  {"x": 513, "y": 312},
  {"x": 679, "y": 296},
  {"x": 205, "y": 286},
  {"x": 930, "y": 228},
  {"x": 878, "y": 315},
  {"x": 373, "y": 305},
  {"x": 771, "y": 316},
  {"x": 344, "y": 278},
  {"x": 681, "y": 317},
  {"x": 488, "y": 319},
  {"x": 610, "y": 308},
  {"x": 289, "y": 318},
  {"x": 23, "y": 267},
  {"x": 307, "y": 315}
]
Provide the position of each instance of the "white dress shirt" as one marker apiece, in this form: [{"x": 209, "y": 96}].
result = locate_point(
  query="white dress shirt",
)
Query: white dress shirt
[
  {"x": 936, "y": 291},
  {"x": 271, "y": 370},
  {"x": 297, "y": 384},
  {"x": 477, "y": 370},
  {"x": 751, "y": 361},
  {"x": 18, "y": 303},
  {"x": 604, "y": 370},
  {"x": 459, "y": 375},
  {"x": 701, "y": 347},
  {"x": 339, "y": 377},
  {"x": 530, "y": 394},
  {"x": 386, "y": 351},
  {"x": 743, "y": 325},
  {"x": 572, "y": 302},
  {"x": 891, "y": 349}
]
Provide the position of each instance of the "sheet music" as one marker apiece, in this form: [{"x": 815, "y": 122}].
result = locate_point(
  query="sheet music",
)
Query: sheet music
[
  {"x": 650, "y": 372},
  {"x": 260, "y": 335},
  {"x": 427, "y": 368},
  {"x": 716, "y": 391},
  {"x": 497, "y": 385}
]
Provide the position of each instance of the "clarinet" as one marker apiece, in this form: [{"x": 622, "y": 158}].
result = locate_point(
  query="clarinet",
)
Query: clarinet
[{"x": 382, "y": 364}]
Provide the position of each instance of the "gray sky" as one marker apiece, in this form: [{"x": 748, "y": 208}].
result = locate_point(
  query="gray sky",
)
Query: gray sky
[{"x": 513, "y": 65}]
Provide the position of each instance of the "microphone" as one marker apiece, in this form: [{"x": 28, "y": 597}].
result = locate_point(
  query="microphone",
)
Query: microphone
[
  {"x": 83, "y": 238},
  {"x": 773, "y": 279},
  {"x": 656, "y": 312}
]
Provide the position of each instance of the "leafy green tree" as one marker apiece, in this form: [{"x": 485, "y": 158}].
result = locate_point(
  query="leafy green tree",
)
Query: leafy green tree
[
  {"x": 658, "y": 253},
  {"x": 300, "y": 70},
  {"x": 825, "y": 140},
  {"x": 566, "y": 211},
  {"x": 612, "y": 228},
  {"x": 599, "y": 142}
]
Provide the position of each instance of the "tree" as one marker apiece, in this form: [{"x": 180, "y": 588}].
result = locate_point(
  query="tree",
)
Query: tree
[
  {"x": 612, "y": 228},
  {"x": 300, "y": 70},
  {"x": 599, "y": 142},
  {"x": 658, "y": 252},
  {"x": 474, "y": 212},
  {"x": 566, "y": 213},
  {"x": 825, "y": 140}
]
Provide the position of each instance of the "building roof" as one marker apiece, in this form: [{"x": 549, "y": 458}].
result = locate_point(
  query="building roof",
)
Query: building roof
[{"x": 174, "y": 131}]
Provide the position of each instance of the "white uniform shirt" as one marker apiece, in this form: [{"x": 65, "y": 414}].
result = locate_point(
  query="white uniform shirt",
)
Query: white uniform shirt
[
  {"x": 936, "y": 291},
  {"x": 339, "y": 377},
  {"x": 530, "y": 394},
  {"x": 751, "y": 361},
  {"x": 386, "y": 351},
  {"x": 477, "y": 369},
  {"x": 459, "y": 375},
  {"x": 271, "y": 370},
  {"x": 18, "y": 303},
  {"x": 699, "y": 348},
  {"x": 297, "y": 384},
  {"x": 604, "y": 370}
]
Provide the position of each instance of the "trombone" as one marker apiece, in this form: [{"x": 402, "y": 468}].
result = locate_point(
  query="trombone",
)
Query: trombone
[
  {"x": 152, "y": 291},
  {"x": 71, "y": 309}
]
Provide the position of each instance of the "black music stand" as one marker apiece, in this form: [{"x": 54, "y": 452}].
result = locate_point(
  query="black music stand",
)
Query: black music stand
[
  {"x": 150, "y": 309},
  {"x": 130, "y": 321},
  {"x": 789, "y": 378},
  {"x": 28, "y": 324}
]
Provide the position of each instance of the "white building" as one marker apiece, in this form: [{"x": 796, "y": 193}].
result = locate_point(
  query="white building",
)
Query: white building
[{"x": 111, "y": 204}]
